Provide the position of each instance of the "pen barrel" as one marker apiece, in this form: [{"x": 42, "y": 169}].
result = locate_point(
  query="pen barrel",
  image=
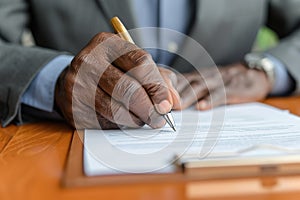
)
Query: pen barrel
[{"x": 121, "y": 30}]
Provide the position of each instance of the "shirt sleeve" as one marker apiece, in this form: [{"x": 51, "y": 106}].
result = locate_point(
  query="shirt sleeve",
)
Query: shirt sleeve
[
  {"x": 283, "y": 82},
  {"x": 41, "y": 91}
]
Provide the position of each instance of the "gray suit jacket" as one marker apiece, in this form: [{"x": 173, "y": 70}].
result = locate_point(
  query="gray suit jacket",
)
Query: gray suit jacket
[{"x": 225, "y": 28}]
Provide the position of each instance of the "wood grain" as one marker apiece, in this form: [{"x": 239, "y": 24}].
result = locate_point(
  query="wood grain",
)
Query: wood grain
[
  {"x": 32, "y": 164},
  {"x": 291, "y": 103},
  {"x": 6, "y": 134}
]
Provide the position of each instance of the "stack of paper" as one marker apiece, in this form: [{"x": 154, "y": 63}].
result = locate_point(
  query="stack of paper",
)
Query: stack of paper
[{"x": 252, "y": 129}]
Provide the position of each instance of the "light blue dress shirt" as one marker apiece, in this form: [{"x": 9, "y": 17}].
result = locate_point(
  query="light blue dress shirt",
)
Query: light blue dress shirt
[
  {"x": 283, "y": 81},
  {"x": 40, "y": 93},
  {"x": 167, "y": 14},
  {"x": 171, "y": 14}
]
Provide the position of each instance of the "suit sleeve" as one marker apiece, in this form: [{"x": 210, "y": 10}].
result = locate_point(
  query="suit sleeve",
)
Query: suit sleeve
[
  {"x": 19, "y": 64},
  {"x": 284, "y": 19}
]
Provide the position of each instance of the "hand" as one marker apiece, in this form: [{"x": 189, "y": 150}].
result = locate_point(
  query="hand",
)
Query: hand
[
  {"x": 116, "y": 81},
  {"x": 226, "y": 85}
]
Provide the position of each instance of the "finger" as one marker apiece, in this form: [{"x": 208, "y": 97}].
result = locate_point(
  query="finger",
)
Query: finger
[
  {"x": 131, "y": 94},
  {"x": 106, "y": 124},
  {"x": 182, "y": 82},
  {"x": 196, "y": 85},
  {"x": 115, "y": 112},
  {"x": 171, "y": 79},
  {"x": 236, "y": 89},
  {"x": 139, "y": 64},
  {"x": 192, "y": 93},
  {"x": 214, "y": 79},
  {"x": 214, "y": 99}
]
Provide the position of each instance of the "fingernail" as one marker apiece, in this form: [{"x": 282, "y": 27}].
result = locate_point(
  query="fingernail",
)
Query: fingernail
[
  {"x": 202, "y": 105},
  {"x": 163, "y": 107}
]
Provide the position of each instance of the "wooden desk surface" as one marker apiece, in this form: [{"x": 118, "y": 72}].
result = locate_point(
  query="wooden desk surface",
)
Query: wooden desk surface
[{"x": 33, "y": 156}]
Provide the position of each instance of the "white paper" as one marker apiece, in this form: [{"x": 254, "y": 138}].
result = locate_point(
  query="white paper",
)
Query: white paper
[{"x": 239, "y": 130}]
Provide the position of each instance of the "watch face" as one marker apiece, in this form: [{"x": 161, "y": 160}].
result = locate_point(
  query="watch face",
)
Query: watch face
[
  {"x": 259, "y": 62},
  {"x": 253, "y": 60},
  {"x": 251, "y": 57}
]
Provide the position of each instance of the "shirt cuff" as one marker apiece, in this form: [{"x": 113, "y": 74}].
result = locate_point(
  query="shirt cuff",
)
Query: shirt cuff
[
  {"x": 41, "y": 91},
  {"x": 283, "y": 82}
]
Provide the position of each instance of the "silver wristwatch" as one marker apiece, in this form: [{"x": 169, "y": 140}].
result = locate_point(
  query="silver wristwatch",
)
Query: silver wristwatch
[{"x": 263, "y": 63}]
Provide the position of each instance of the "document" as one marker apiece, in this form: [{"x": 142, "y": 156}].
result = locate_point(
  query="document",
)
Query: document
[{"x": 251, "y": 129}]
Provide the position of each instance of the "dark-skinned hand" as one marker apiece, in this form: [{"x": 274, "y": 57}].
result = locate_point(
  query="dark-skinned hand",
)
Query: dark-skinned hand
[
  {"x": 118, "y": 83},
  {"x": 213, "y": 87}
]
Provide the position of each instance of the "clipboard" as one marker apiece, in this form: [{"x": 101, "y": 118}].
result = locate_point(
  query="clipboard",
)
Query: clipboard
[
  {"x": 203, "y": 170},
  {"x": 74, "y": 175}
]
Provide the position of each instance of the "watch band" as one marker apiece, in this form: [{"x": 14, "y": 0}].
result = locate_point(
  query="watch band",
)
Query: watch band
[{"x": 262, "y": 63}]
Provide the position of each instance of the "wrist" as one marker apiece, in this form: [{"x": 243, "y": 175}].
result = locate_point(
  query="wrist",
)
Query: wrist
[{"x": 261, "y": 63}]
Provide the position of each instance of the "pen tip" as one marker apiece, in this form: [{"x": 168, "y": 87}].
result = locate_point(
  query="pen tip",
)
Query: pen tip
[{"x": 173, "y": 128}]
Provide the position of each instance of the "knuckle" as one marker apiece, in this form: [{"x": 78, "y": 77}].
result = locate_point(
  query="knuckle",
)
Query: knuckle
[
  {"x": 100, "y": 37},
  {"x": 79, "y": 59},
  {"x": 157, "y": 88},
  {"x": 144, "y": 57},
  {"x": 140, "y": 57},
  {"x": 86, "y": 60},
  {"x": 154, "y": 88}
]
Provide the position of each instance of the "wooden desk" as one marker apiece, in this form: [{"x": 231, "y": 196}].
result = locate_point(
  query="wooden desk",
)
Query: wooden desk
[{"x": 32, "y": 159}]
